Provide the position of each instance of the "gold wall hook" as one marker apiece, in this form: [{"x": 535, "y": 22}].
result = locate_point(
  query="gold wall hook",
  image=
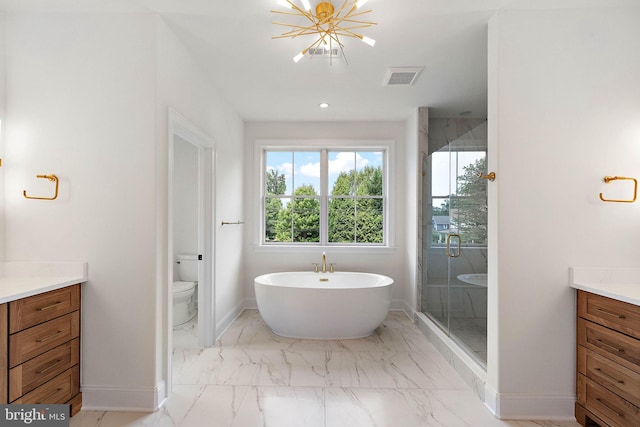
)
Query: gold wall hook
[
  {"x": 51, "y": 177},
  {"x": 491, "y": 176},
  {"x": 609, "y": 179}
]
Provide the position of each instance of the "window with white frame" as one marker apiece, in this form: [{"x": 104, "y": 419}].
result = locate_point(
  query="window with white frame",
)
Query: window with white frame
[{"x": 324, "y": 195}]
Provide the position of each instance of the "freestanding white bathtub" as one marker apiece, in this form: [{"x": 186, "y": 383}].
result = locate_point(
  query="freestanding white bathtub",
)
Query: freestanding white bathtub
[{"x": 341, "y": 305}]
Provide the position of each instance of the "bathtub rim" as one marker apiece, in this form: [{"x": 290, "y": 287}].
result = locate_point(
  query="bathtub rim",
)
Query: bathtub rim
[{"x": 383, "y": 280}]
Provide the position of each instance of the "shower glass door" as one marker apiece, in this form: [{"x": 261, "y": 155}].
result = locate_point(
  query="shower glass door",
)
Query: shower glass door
[{"x": 454, "y": 282}]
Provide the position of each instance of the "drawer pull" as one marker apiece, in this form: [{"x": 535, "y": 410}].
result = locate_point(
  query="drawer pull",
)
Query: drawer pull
[
  {"x": 600, "y": 401},
  {"x": 50, "y": 367},
  {"x": 49, "y": 396},
  {"x": 616, "y": 349},
  {"x": 608, "y": 313},
  {"x": 50, "y": 337},
  {"x": 49, "y": 307},
  {"x": 609, "y": 376}
]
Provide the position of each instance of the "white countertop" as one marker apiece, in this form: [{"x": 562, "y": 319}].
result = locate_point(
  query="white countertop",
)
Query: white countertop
[
  {"x": 25, "y": 279},
  {"x": 622, "y": 284}
]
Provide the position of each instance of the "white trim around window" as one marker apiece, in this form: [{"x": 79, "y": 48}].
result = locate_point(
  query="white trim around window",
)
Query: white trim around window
[{"x": 297, "y": 145}]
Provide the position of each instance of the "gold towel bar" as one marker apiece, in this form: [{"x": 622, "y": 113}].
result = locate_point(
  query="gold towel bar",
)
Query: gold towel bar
[
  {"x": 51, "y": 177},
  {"x": 608, "y": 179}
]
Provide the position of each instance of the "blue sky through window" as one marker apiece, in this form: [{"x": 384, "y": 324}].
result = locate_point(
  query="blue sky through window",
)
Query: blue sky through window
[{"x": 303, "y": 167}]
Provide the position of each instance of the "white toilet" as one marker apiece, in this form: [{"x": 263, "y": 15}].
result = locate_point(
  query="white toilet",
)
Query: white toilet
[{"x": 184, "y": 301}]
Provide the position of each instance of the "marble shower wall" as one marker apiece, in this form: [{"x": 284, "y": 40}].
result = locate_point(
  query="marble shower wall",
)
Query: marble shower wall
[{"x": 444, "y": 131}]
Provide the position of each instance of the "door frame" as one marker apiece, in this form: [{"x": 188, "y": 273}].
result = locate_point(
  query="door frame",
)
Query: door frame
[{"x": 179, "y": 126}]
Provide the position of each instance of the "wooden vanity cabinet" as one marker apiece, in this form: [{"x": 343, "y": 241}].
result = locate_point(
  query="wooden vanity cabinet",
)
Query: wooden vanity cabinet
[
  {"x": 608, "y": 362},
  {"x": 40, "y": 361}
]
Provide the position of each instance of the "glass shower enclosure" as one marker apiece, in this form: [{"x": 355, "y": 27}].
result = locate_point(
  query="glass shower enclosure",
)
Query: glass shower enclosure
[{"x": 454, "y": 248}]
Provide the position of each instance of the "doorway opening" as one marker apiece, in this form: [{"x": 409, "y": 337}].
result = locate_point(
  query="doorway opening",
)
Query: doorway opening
[{"x": 191, "y": 248}]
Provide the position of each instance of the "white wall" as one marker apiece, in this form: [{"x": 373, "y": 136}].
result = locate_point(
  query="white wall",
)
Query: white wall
[
  {"x": 80, "y": 93},
  {"x": 183, "y": 85},
  {"x": 87, "y": 99},
  {"x": 391, "y": 263},
  {"x": 564, "y": 105},
  {"x": 3, "y": 87},
  {"x": 185, "y": 198}
]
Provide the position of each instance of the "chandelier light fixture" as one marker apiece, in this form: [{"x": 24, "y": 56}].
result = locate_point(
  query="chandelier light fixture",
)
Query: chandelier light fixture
[{"x": 328, "y": 25}]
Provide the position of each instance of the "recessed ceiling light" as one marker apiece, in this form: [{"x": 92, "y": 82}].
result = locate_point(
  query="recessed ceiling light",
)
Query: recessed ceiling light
[{"x": 323, "y": 105}]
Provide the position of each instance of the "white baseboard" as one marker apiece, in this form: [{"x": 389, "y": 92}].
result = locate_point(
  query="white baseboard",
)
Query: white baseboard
[
  {"x": 124, "y": 399},
  {"x": 530, "y": 407},
  {"x": 226, "y": 321}
]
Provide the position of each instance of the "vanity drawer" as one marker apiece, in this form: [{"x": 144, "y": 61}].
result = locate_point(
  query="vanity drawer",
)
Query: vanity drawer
[
  {"x": 31, "y": 311},
  {"x": 37, "y": 371},
  {"x": 618, "y": 379},
  {"x": 614, "y": 314},
  {"x": 611, "y": 408},
  {"x": 32, "y": 342},
  {"x": 613, "y": 345},
  {"x": 57, "y": 391}
]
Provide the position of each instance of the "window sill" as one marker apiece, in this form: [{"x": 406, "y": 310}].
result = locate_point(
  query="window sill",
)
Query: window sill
[{"x": 331, "y": 249}]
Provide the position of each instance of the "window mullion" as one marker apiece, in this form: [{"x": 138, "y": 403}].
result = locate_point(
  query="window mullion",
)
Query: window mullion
[
  {"x": 293, "y": 197},
  {"x": 324, "y": 199}
]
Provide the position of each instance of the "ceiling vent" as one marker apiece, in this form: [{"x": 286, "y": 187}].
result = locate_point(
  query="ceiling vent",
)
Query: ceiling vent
[{"x": 401, "y": 76}]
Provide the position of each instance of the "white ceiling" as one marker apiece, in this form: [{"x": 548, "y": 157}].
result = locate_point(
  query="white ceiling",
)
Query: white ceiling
[{"x": 233, "y": 41}]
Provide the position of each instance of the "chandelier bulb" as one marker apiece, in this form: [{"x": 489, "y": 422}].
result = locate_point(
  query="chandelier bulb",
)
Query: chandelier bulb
[
  {"x": 368, "y": 40},
  {"x": 306, "y": 4},
  {"x": 360, "y": 3},
  {"x": 298, "y": 57},
  {"x": 285, "y": 3}
]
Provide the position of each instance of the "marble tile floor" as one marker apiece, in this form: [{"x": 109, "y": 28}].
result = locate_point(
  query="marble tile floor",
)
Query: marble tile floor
[
  {"x": 186, "y": 335},
  {"x": 252, "y": 377}
]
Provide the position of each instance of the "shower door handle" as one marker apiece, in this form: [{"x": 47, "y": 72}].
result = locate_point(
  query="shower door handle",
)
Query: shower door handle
[{"x": 448, "y": 249}]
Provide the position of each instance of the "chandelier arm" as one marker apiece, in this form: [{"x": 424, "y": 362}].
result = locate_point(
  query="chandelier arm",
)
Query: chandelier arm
[
  {"x": 349, "y": 18},
  {"x": 364, "y": 24},
  {"x": 308, "y": 27},
  {"x": 350, "y": 34},
  {"x": 337, "y": 22},
  {"x": 350, "y": 14},
  {"x": 343, "y": 54},
  {"x": 294, "y": 34},
  {"x": 334, "y": 36},
  {"x": 282, "y": 12},
  {"x": 308, "y": 15},
  {"x": 342, "y": 8},
  {"x": 355, "y": 36}
]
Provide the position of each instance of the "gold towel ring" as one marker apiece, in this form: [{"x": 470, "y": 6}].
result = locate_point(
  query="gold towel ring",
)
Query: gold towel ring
[
  {"x": 608, "y": 179},
  {"x": 51, "y": 177}
]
